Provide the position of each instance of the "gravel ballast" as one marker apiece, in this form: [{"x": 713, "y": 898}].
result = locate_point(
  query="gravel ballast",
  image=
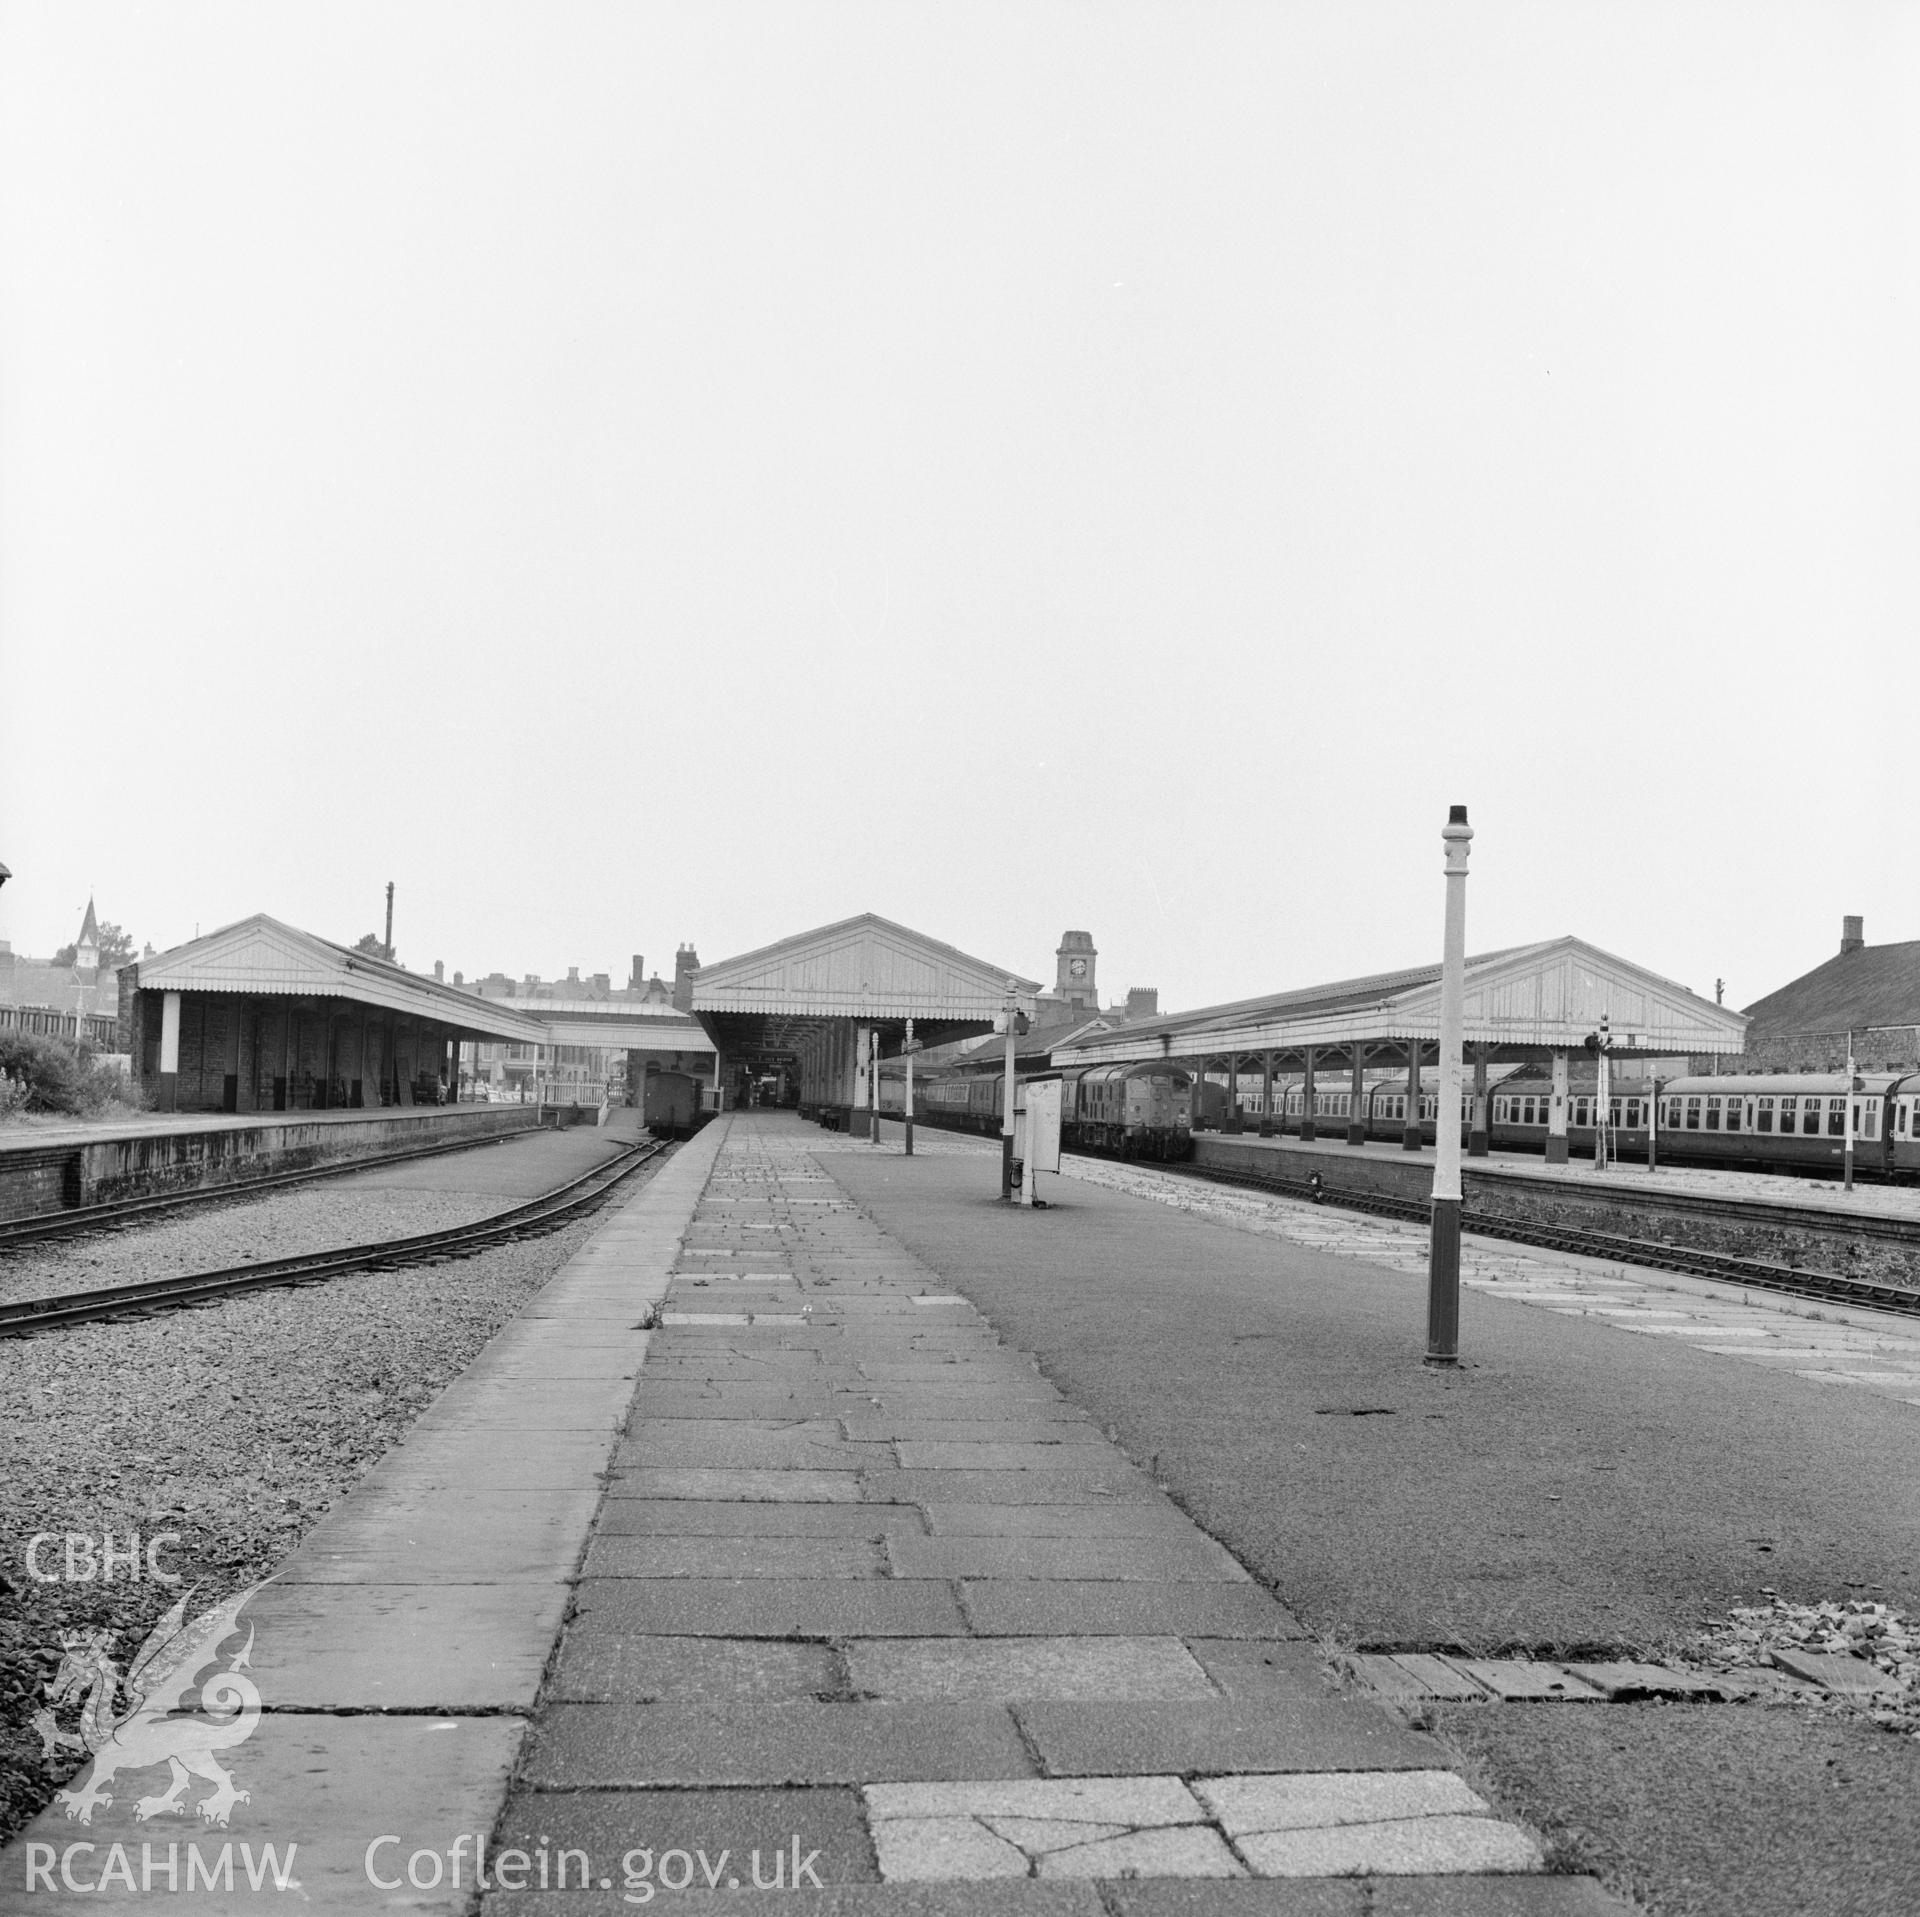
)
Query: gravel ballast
[
  {"x": 354, "y": 1208},
  {"x": 235, "y": 1426}
]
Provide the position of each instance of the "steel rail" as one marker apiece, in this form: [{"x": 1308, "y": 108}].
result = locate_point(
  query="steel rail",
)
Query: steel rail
[
  {"x": 562, "y": 1205},
  {"x": 1762, "y": 1274},
  {"x": 112, "y": 1212}
]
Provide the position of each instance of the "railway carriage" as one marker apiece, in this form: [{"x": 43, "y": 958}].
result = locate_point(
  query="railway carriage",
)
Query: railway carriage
[
  {"x": 1795, "y": 1122},
  {"x": 1138, "y": 1111},
  {"x": 1787, "y": 1123},
  {"x": 675, "y": 1107}
]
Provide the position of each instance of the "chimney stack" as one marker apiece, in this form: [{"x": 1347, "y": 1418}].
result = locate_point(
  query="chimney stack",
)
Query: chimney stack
[
  {"x": 1853, "y": 930},
  {"x": 638, "y": 982},
  {"x": 440, "y": 971}
]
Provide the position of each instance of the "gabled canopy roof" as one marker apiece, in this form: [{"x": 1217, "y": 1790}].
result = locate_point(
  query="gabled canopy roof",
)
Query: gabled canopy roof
[
  {"x": 866, "y": 969},
  {"x": 653, "y": 1028},
  {"x": 262, "y": 958},
  {"x": 1520, "y": 999}
]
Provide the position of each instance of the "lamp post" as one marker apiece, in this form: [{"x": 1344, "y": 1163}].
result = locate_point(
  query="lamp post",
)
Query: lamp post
[
  {"x": 912, "y": 1045},
  {"x": 1009, "y": 1010},
  {"x": 1443, "y": 1257}
]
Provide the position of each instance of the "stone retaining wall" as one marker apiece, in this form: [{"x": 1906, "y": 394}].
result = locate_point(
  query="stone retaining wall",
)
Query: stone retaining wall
[
  {"x": 1817, "y": 1243},
  {"x": 70, "y": 1172}
]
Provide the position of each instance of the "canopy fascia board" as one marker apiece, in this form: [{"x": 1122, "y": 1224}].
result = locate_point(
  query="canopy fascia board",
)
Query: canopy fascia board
[{"x": 652, "y": 1035}]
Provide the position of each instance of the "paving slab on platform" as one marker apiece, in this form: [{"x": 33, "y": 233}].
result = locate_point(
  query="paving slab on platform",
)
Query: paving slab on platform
[
  {"x": 397, "y": 1649},
  {"x": 980, "y": 1587}
]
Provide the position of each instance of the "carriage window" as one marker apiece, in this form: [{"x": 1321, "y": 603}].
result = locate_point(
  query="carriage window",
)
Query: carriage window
[
  {"x": 1736, "y": 1110},
  {"x": 1580, "y": 1114},
  {"x": 1836, "y": 1118},
  {"x": 1635, "y": 1118},
  {"x": 1763, "y": 1114},
  {"x": 1810, "y": 1117},
  {"x": 1900, "y": 1119},
  {"x": 1713, "y": 1114},
  {"x": 1693, "y": 1114},
  {"x": 1871, "y": 1113}
]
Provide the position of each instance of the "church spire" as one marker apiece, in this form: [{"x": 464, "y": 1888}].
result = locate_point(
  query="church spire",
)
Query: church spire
[{"x": 86, "y": 952}]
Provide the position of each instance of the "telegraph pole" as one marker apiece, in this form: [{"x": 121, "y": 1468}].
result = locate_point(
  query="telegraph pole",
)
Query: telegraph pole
[{"x": 1443, "y": 1256}]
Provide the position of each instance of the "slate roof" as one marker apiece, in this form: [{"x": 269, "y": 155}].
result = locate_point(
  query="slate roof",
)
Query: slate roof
[
  {"x": 1877, "y": 985},
  {"x": 25, "y": 981}
]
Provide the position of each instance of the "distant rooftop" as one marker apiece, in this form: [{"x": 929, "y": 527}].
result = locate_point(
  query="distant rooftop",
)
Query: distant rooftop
[{"x": 1862, "y": 985}]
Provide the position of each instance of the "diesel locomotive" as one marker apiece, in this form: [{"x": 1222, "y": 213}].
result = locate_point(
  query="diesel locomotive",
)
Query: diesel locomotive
[{"x": 1131, "y": 1111}]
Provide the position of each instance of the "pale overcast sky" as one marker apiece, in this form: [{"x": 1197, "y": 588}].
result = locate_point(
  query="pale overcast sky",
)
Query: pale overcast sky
[{"x": 633, "y": 474}]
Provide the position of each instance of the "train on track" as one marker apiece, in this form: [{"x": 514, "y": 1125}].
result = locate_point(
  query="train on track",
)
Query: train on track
[
  {"x": 1131, "y": 1111},
  {"x": 675, "y": 1104},
  {"x": 1794, "y": 1123}
]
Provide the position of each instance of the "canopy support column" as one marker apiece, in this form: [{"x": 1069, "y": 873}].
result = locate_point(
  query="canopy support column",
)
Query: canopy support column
[{"x": 1557, "y": 1110}]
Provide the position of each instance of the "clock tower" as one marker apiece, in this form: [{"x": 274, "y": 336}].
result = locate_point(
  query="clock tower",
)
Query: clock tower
[{"x": 1073, "y": 980}]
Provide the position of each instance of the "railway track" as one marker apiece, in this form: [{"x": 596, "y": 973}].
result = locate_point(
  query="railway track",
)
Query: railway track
[
  {"x": 113, "y": 1213},
  {"x": 560, "y": 1206},
  {"x": 1762, "y": 1274}
]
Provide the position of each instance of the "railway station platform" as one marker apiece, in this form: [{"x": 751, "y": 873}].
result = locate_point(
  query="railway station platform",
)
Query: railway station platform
[
  {"x": 751, "y": 1553},
  {"x": 825, "y": 1513},
  {"x": 53, "y": 1168}
]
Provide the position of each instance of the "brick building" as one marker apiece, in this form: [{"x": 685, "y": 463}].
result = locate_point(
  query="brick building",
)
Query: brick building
[{"x": 1865, "y": 998}]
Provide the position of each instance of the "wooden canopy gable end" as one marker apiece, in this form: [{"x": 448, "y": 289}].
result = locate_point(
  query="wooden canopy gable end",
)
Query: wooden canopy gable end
[
  {"x": 1529, "y": 998},
  {"x": 261, "y": 957},
  {"x": 865, "y": 971}
]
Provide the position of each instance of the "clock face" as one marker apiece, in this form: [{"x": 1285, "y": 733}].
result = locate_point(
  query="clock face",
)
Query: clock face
[{"x": 1077, "y": 968}]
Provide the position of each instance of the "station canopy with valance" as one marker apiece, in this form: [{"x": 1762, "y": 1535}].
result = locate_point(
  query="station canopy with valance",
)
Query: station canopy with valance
[
  {"x": 1521, "y": 1002},
  {"x": 765, "y": 1009}
]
